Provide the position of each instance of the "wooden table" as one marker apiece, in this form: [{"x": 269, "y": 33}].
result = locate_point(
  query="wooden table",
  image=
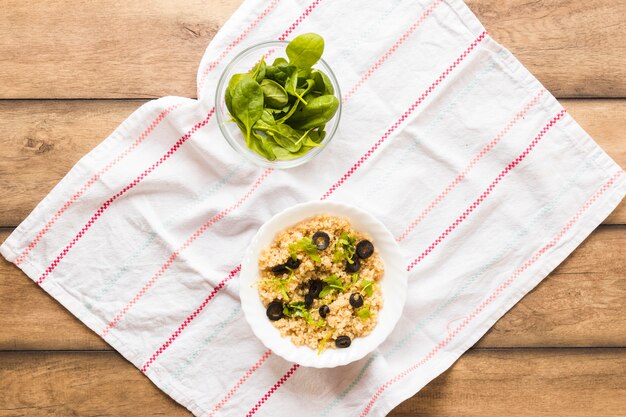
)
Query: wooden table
[{"x": 71, "y": 71}]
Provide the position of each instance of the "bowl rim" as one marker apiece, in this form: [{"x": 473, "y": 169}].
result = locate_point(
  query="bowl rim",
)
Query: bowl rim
[
  {"x": 394, "y": 289},
  {"x": 251, "y": 155}
]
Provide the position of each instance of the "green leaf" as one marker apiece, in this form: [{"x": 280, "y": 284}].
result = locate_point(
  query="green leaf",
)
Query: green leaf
[
  {"x": 344, "y": 248},
  {"x": 307, "y": 246},
  {"x": 247, "y": 103},
  {"x": 323, "y": 86},
  {"x": 286, "y": 137},
  {"x": 355, "y": 277},
  {"x": 291, "y": 111},
  {"x": 364, "y": 312},
  {"x": 275, "y": 95},
  {"x": 292, "y": 87},
  {"x": 327, "y": 290},
  {"x": 317, "y": 112},
  {"x": 305, "y": 50},
  {"x": 367, "y": 287},
  {"x": 258, "y": 72},
  {"x": 335, "y": 282},
  {"x": 266, "y": 121}
]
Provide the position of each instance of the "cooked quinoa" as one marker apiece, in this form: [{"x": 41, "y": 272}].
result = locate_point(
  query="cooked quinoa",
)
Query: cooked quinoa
[{"x": 296, "y": 266}]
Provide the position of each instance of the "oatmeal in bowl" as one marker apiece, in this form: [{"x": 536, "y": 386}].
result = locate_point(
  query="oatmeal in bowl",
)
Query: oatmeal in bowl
[{"x": 322, "y": 284}]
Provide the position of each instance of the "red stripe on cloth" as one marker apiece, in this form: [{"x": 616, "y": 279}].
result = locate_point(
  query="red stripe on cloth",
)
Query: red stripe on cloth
[
  {"x": 239, "y": 383},
  {"x": 235, "y": 42},
  {"x": 484, "y": 151},
  {"x": 92, "y": 181},
  {"x": 190, "y": 318},
  {"x": 487, "y": 191},
  {"x": 299, "y": 20},
  {"x": 404, "y": 116},
  {"x": 392, "y": 49},
  {"x": 272, "y": 390},
  {"x": 123, "y": 191},
  {"x": 184, "y": 246},
  {"x": 606, "y": 186}
]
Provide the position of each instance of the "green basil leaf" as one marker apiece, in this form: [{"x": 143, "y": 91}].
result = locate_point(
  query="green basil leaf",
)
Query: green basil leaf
[
  {"x": 317, "y": 112},
  {"x": 305, "y": 50},
  {"x": 275, "y": 95},
  {"x": 247, "y": 103}
]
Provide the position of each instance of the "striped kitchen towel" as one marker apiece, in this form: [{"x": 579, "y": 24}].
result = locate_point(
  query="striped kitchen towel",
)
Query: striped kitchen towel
[{"x": 484, "y": 179}]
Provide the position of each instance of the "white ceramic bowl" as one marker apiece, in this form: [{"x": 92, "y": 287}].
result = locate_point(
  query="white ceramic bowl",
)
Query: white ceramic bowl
[{"x": 393, "y": 286}]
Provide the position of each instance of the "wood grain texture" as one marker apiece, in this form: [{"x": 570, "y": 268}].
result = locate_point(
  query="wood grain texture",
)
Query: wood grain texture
[
  {"x": 42, "y": 140},
  {"x": 521, "y": 383},
  {"x": 143, "y": 49},
  {"x": 580, "y": 304},
  {"x": 485, "y": 383},
  {"x": 575, "y": 48}
]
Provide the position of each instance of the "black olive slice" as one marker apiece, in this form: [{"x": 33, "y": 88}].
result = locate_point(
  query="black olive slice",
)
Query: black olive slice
[
  {"x": 275, "y": 310},
  {"x": 324, "y": 310},
  {"x": 279, "y": 269},
  {"x": 315, "y": 287},
  {"x": 308, "y": 301},
  {"x": 356, "y": 300},
  {"x": 343, "y": 342},
  {"x": 292, "y": 264},
  {"x": 364, "y": 249},
  {"x": 321, "y": 240},
  {"x": 354, "y": 266}
]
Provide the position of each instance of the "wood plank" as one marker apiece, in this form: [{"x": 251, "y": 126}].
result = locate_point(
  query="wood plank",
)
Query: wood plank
[
  {"x": 580, "y": 304},
  {"x": 138, "y": 49},
  {"x": 521, "y": 383},
  {"x": 485, "y": 383},
  {"x": 575, "y": 48},
  {"x": 42, "y": 140}
]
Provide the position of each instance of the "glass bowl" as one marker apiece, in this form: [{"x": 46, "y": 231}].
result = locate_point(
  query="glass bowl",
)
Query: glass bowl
[{"x": 243, "y": 63}]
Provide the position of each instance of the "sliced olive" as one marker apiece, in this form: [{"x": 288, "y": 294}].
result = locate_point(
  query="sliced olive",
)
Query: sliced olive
[
  {"x": 279, "y": 269},
  {"x": 321, "y": 240},
  {"x": 275, "y": 310},
  {"x": 354, "y": 266},
  {"x": 364, "y": 249},
  {"x": 343, "y": 342},
  {"x": 356, "y": 300},
  {"x": 308, "y": 301},
  {"x": 315, "y": 287},
  {"x": 324, "y": 310},
  {"x": 292, "y": 264}
]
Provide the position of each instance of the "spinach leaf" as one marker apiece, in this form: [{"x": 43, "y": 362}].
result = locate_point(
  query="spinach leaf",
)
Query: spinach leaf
[
  {"x": 247, "y": 103},
  {"x": 305, "y": 50},
  {"x": 275, "y": 95},
  {"x": 266, "y": 121},
  {"x": 286, "y": 136},
  {"x": 258, "y": 72},
  {"x": 317, "y": 112},
  {"x": 322, "y": 83},
  {"x": 292, "y": 86}
]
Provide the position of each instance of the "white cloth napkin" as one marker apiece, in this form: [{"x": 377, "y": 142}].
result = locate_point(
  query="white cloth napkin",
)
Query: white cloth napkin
[{"x": 485, "y": 180}]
